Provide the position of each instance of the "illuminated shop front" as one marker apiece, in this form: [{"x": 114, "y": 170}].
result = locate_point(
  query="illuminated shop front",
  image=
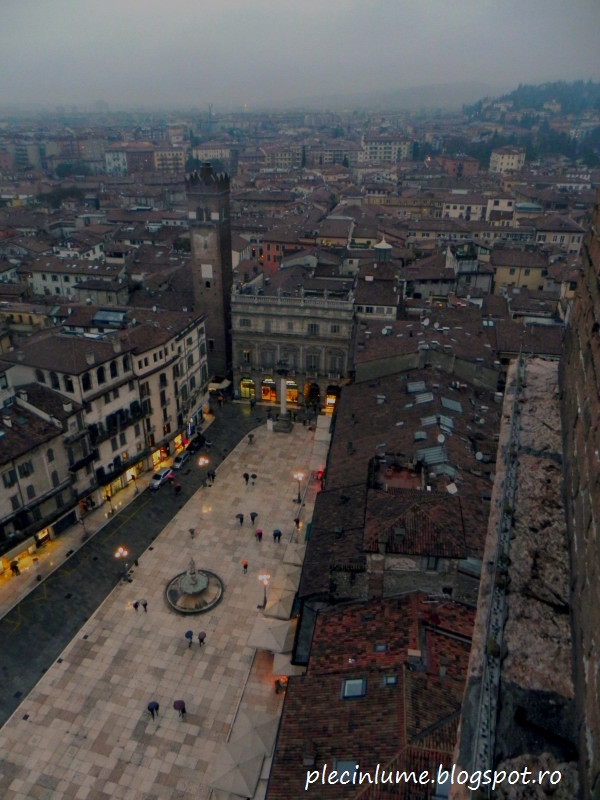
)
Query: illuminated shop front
[
  {"x": 268, "y": 390},
  {"x": 312, "y": 394},
  {"x": 247, "y": 388},
  {"x": 158, "y": 456},
  {"x": 331, "y": 398},
  {"x": 291, "y": 391},
  {"x": 179, "y": 441}
]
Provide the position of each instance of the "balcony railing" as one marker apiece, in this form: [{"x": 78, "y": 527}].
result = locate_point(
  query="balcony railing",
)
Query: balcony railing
[{"x": 299, "y": 302}]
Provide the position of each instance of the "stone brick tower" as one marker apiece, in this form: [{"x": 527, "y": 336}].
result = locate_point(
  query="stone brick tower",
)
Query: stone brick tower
[
  {"x": 210, "y": 228},
  {"x": 580, "y": 402}
]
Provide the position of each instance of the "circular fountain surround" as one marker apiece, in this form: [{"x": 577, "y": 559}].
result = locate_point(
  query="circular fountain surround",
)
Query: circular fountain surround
[{"x": 194, "y": 591}]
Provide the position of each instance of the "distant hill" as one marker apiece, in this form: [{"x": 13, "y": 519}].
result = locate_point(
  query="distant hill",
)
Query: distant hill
[
  {"x": 415, "y": 98},
  {"x": 574, "y": 98}
]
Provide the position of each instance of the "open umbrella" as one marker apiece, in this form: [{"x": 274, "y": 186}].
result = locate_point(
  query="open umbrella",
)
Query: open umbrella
[
  {"x": 294, "y": 554},
  {"x": 257, "y": 724},
  {"x": 238, "y": 766},
  {"x": 287, "y": 576},
  {"x": 274, "y": 635},
  {"x": 283, "y": 666},
  {"x": 280, "y": 604}
]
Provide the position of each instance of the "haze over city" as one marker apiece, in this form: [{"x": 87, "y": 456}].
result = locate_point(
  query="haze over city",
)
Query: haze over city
[{"x": 259, "y": 54}]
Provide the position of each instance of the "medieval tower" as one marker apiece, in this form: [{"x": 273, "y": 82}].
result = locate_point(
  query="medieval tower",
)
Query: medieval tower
[{"x": 210, "y": 228}]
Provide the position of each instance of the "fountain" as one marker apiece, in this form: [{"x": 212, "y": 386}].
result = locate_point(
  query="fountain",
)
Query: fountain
[{"x": 194, "y": 591}]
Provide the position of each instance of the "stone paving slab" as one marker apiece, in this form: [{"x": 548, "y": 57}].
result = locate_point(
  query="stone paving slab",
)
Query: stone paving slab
[{"x": 84, "y": 732}]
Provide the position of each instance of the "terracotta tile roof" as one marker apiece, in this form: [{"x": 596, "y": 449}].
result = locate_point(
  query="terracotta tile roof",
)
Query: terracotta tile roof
[
  {"x": 414, "y": 522},
  {"x": 411, "y": 722}
]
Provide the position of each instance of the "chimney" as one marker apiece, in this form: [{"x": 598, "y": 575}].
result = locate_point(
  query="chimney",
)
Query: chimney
[
  {"x": 22, "y": 394},
  {"x": 90, "y": 358},
  {"x": 67, "y": 406},
  {"x": 7, "y": 421}
]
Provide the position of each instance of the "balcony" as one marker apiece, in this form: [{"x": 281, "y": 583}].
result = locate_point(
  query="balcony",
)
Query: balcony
[
  {"x": 84, "y": 461},
  {"x": 72, "y": 436}
]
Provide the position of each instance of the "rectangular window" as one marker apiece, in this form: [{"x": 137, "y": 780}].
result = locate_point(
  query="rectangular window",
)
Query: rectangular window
[
  {"x": 335, "y": 329},
  {"x": 267, "y": 326},
  {"x": 390, "y": 680},
  {"x": 9, "y": 478},
  {"x": 122, "y": 439},
  {"x": 290, "y": 326},
  {"x": 114, "y": 444},
  {"x": 25, "y": 469},
  {"x": 432, "y": 562},
  {"x": 246, "y": 356},
  {"x": 245, "y": 322},
  {"x": 313, "y": 328},
  {"x": 354, "y": 687}
]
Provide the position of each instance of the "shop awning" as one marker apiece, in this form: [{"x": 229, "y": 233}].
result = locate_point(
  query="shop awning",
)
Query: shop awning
[{"x": 219, "y": 387}]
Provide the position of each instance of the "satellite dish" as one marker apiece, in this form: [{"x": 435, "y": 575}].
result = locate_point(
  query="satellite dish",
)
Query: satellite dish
[
  {"x": 436, "y": 325},
  {"x": 441, "y": 438},
  {"x": 479, "y": 455},
  {"x": 425, "y": 322}
]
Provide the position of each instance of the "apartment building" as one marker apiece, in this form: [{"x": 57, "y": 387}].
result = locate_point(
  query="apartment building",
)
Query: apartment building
[
  {"x": 169, "y": 159},
  {"x": 140, "y": 375},
  {"x": 507, "y": 159}
]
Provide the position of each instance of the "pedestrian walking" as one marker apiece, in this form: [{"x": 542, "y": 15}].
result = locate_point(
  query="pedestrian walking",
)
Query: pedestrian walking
[
  {"x": 246, "y": 477},
  {"x": 177, "y": 488},
  {"x": 136, "y": 605},
  {"x": 241, "y": 518},
  {"x": 192, "y": 532},
  {"x": 253, "y": 516},
  {"x": 252, "y": 403},
  {"x": 213, "y": 475},
  {"x": 245, "y": 566},
  {"x": 250, "y": 438},
  {"x": 153, "y": 708},
  {"x": 253, "y": 477},
  {"x": 258, "y": 535},
  {"x": 179, "y": 705},
  {"x": 201, "y": 638},
  {"x": 275, "y": 536},
  {"x": 189, "y": 635},
  {"x": 144, "y": 604}
]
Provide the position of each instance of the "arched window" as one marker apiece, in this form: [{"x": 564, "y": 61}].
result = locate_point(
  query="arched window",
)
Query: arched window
[
  {"x": 54, "y": 380},
  {"x": 101, "y": 375},
  {"x": 126, "y": 363},
  {"x": 114, "y": 370},
  {"x": 39, "y": 376},
  {"x": 86, "y": 382},
  {"x": 50, "y": 455}
]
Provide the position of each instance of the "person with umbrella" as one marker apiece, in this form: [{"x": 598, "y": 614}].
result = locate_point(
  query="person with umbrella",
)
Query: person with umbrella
[
  {"x": 253, "y": 516},
  {"x": 189, "y": 635},
  {"x": 240, "y": 517},
  {"x": 246, "y": 477},
  {"x": 201, "y": 638},
  {"x": 277, "y": 535},
  {"x": 153, "y": 708},
  {"x": 179, "y": 705}
]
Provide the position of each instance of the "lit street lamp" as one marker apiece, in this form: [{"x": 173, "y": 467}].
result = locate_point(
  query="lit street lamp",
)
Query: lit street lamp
[
  {"x": 123, "y": 552},
  {"x": 265, "y": 579},
  {"x": 203, "y": 461},
  {"x": 299, "y": 476}
]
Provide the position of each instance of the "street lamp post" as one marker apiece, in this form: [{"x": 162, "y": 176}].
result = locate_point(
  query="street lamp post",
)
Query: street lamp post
[
  {"x": 123, "y": 552},
  {"x": 265, "y": 579},
  {"x": 299, "y": 476}
]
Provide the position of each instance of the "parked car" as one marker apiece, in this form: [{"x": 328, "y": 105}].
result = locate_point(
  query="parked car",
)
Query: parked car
[
  {"x": 181, "y": 459},
  {"x": 160, "y": 478}
]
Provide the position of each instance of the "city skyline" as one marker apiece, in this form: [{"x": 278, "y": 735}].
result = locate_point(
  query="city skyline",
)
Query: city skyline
[{"x": 259, "y": 55}]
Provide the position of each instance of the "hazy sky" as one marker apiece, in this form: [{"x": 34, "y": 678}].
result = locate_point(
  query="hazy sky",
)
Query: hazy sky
[{"x": 230, "y": 52}]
